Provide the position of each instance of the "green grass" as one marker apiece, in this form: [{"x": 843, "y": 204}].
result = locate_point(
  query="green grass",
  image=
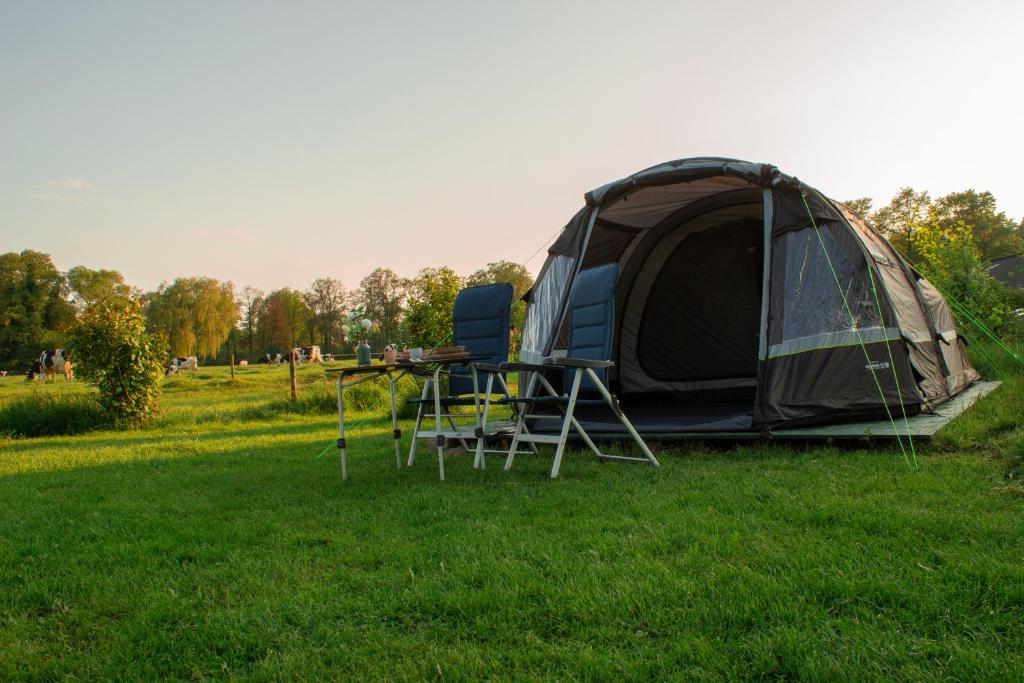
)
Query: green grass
[{"x": 215, "y": 544}]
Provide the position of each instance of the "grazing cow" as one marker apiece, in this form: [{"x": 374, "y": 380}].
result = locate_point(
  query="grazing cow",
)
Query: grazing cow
[
  {"x": 190, "y": 363},
  {"x": 50, "y": 361},
  {"x": 3, "y": 373},
  {"x": 243, "y": 363},
  {"x": 311, "y": 354}
]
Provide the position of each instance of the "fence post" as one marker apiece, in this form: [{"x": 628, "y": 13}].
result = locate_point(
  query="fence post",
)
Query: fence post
[
  {"x": 291, "y": 371},
  {"x": 232, "y": 360}
]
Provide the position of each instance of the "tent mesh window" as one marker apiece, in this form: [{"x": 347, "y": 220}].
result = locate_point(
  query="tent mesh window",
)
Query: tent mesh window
[{"x": 813, "y": 306}]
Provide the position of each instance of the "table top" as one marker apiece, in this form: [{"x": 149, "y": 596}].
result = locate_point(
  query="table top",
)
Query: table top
[{"x": 408, "y": 364}]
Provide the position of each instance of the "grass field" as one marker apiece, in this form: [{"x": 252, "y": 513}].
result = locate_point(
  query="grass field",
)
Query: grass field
[{"x": 215, "y": 544}]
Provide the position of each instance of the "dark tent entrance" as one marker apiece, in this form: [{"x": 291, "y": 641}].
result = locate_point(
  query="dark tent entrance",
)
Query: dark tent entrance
[
  {"x": 746, "y": 301},
  {"x": 701, "y": 271}
]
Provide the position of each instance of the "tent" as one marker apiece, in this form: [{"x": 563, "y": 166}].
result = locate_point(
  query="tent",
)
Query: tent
[{"x": 749, "y": 301}]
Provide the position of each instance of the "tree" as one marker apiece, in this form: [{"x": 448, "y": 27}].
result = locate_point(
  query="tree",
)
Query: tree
[
  {"x": 90, "y": 286},
  {"x": 251, "y": 304},
  {"x": 949, "y": 257},
  {"x": 993, "y": 233},
  {"x": 112, "y": 349},
  {"x": 428, "y": 320},
  {"x": 194, "y": 315},
  {"x": 513, "y": 273},
  {"x": 861, "y": 206},
  {"x": 326, "y": 301},
  {"x": 284, "y": 317},
  {"x": 902, "y": 218},
  {"x": 382, "y": 296},
  {"x": 34, "y": 311}
]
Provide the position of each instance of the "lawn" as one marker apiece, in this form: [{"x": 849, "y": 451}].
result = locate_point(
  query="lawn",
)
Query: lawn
[{"x": 216, "y": 544}]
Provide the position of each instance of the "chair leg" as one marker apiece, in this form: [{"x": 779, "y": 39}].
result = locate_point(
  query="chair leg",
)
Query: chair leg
[
  {"x": 520, "y": 426},
  {"x": 516, "y": 410},
  {"x": 575, "y": 423},
  {"x": 614, "y": 405},
  {"x": 437, "y": 423},
  {"x": 577, "y": 377},
  {"x": 481, "y": 461},
  {"x": 419, "y": 421}
]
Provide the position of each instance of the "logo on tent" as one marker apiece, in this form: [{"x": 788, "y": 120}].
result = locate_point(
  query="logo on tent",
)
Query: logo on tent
[{"x": 877, "y": 365}]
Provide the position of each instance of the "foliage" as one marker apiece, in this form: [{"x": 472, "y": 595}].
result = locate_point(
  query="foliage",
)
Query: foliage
[
  {"x": 113, "y": 350},
  {"x": 993, "y": 233},
  {"x": 326, "y": 299},
  {"x": 428, "y": 318},
  {"x": 949, "y": 257},
  {"x": 50, "y": 413},
  {"x": 194, "y": 315},
  {"x": 284, "y": 317},
  {"x": 860, "y": 206},
  {"x": 90, "y": 286},
  {"x": 34, "y": 311},
  {"x": 251, "y": 304},
  {"x": 901, "y": 218},
  {"x": 382, "y": 296},
  {"x": 515, "y": 274}
]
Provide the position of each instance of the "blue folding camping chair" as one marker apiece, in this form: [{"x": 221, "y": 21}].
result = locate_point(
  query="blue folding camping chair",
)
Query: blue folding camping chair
[
  {"x": 480, "y": 323},
  {"x": 591, "y": 320}
]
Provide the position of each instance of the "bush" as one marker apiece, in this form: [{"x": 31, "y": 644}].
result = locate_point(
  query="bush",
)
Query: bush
[
  {"x": 50, "y": 414},
  {"x": 113, "y": 350}
]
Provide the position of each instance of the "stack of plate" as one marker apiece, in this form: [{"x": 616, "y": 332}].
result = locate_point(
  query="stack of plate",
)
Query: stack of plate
[{"x": 446, "y": 353}]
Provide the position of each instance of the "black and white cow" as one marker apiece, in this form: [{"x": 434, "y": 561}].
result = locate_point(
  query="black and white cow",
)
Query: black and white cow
[
  {"x": 50, "y": 362},
  {"x": 190, "y": 363}
]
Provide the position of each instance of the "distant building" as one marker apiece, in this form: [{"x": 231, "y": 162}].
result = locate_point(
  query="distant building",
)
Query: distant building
[{"x": 1009, "y": 270}]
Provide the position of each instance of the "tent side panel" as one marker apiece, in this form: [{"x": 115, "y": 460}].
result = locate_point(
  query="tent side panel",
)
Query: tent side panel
[
  {"x": 910, "y": 317},
  {"x": 831, "y": 351},
  {"x": 961, "y": 372}
]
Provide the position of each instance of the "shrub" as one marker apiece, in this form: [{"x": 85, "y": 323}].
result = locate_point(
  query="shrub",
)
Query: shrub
[
  {"x": 113, "y": 350},
  {"x": 50, "y": 414}
]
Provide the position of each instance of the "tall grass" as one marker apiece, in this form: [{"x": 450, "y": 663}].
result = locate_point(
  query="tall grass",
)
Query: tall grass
[{"x": 51, "y": 414}]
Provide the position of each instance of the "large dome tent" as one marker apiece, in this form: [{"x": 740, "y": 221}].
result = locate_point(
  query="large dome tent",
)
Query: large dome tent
[{"x": 749, "y": 301}]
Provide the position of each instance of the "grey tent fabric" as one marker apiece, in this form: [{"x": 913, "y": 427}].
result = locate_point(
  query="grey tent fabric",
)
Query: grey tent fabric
[{"x": 741, "y": 286}]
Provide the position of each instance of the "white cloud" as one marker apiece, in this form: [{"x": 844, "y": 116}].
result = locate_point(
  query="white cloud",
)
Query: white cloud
[
  {"x": 75, "y": 184},
  {"x": 56, "y": 198}
]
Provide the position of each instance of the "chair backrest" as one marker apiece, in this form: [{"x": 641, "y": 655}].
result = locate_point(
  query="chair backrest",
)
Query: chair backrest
[
  {"x": 592, "y": 320},
  {"x": 480, "y": 322}
]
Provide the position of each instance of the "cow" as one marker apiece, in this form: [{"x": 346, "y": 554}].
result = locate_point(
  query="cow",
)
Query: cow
[
  {"x": 311, "y": 354},
  {"x": 190, "y": 363},
  {"x": 243, "y": 363},
  {"x": 50, "y": 361},
  {"x": 3, "y": 373}
]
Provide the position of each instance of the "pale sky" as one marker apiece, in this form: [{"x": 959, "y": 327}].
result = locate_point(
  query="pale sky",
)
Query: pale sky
[{"x": 273, "y": 143}]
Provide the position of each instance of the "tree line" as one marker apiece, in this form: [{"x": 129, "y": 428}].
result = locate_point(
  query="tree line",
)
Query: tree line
[
  {"x": 951, "y": 240},
  {"x": 211, "y": 319}
]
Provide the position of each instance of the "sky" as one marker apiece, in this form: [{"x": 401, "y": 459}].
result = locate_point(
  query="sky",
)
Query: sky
[{"x": 273, "y": 143}]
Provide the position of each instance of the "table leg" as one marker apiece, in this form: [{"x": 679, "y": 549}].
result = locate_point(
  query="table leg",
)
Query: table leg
[
  {"x": 437, "y": 422},
  {"x": 396, "y": 434},
  {"x": 341, "y": 431}
]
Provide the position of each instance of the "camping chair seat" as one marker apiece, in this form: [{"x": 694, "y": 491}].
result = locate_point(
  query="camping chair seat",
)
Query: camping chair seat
[{"x": 591, "y": 313}]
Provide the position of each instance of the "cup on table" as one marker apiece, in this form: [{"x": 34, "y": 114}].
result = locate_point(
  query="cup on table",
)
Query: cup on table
[{"x": 416, "y": 353}]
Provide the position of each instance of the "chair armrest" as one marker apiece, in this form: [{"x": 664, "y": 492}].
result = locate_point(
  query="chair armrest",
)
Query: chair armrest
[
  {"x": 518, "y": 366},
  {"x": 492, "y": 368},
  {"x": 580, "y": 363}
]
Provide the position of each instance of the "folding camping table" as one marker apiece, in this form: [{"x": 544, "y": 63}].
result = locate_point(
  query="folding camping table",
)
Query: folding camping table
[{"x": 429, "y": 370}]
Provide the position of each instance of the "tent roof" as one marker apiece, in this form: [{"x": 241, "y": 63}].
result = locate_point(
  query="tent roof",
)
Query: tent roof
[{"x": 686, "y": 170}]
